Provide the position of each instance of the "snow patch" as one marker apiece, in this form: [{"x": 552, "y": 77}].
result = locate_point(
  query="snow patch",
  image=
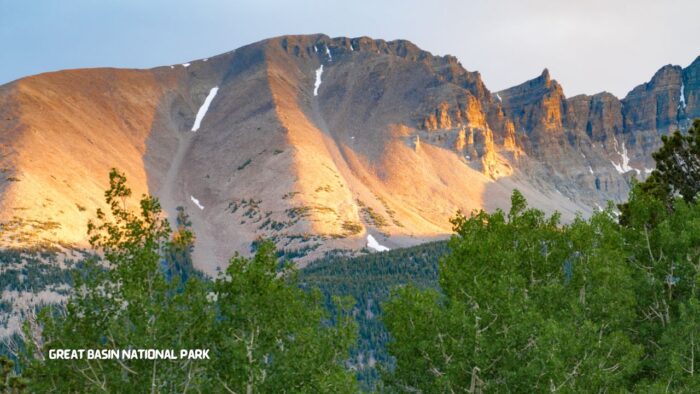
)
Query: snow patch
[
  {"x": 317, "y": 84},
  {"x": 172, "y": 66},
  {"x": 625, "y": 165},
  {"x": 315, "y": 48},
  {"x": 498, "y": 96},
  {"x": 196, "y": 202},
  {"x": 185, "y": 64},
  {"x": 204, "y": 108},
  {"x": 351, "y": 48},
  {"x": 373, "y": 244},
  {"x": 590, "y": 169},
  {"x": 682, "y": 104},
  {"x": 328, "y": 52}
]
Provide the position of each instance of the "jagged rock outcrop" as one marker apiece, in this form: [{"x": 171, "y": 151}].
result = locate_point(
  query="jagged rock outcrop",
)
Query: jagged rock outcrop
[
  {"x": 656, "y": 105},
  {"x": 610, "y": 137},
  {"x": 537, "y": 108},
  {"x": 666, "y": 103},
  {"x": 598, "y": 116}
]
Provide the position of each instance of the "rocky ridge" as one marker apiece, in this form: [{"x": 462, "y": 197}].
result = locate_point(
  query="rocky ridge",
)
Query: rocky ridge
[{"x": 320, "y": 143}]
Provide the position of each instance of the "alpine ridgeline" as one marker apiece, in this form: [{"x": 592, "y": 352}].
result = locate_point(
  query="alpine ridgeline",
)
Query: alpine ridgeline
[{"x": 319, "y": 143}]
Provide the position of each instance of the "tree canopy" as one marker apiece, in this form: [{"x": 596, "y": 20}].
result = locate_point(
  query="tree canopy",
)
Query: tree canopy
[
  {"x": 263, "y": 333},
  {"x": 677, "y": 172},
  {"x": 528, "y": 304}
]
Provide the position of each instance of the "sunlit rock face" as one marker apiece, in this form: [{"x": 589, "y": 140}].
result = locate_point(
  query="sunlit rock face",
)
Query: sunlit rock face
[{"x": 319, "y": 142}]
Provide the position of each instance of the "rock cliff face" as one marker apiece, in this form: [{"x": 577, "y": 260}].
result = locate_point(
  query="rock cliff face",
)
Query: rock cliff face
[
  {"x": 318, "y": 142},
  {"x": 598, "y": 116},
  {"x": 666, "y": 103},
  {"x": 613, "y": 139}
]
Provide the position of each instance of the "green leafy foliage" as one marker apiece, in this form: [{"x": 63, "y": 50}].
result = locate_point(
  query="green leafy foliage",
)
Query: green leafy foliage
[
  {"x": 528, "y": 304},
  {"x": 263, "y": 333},
  {"x": 10, "y": 382},
  {"x": 369, "y": 279},
  {"x": 267, "y": 331}
]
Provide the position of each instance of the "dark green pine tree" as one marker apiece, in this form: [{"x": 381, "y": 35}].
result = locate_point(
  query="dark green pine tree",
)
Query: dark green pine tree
[
  {"x": 677, "y": 171},
  {"x": 678, "y": 163},
  {"x": 179, "y": 252}
]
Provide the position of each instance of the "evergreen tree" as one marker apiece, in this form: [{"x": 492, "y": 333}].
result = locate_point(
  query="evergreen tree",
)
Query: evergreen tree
[
  {"x": 677, "y": 171},
  {"x": 678, "y": 163},
  {"x": 179, "y": 252}
]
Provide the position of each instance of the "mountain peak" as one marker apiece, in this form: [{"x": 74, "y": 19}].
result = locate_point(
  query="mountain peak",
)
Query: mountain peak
[
  {"x": 669, "y": 71},
  {"x": 322, "y": 44},
  {"x": 322, "y": 133},
  {"x": 545, "y": 75},
  {"x": 532, "y": 89}
]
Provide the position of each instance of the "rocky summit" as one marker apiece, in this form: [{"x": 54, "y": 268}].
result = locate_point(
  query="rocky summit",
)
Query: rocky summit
[{"x": 320, "y": 144}]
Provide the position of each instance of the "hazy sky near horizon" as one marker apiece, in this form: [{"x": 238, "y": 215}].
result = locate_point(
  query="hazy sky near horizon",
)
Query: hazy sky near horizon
[{"x": 588, "y": 45}]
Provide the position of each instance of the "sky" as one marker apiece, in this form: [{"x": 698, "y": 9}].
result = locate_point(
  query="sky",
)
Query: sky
[{"x": 589, "y": 46}]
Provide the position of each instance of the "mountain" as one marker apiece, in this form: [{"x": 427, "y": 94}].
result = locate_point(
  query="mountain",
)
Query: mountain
[{"x": 320, "y": 143}]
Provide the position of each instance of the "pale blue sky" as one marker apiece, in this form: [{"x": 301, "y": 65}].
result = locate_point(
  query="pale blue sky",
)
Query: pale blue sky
[{"x": 589, "y": 46}]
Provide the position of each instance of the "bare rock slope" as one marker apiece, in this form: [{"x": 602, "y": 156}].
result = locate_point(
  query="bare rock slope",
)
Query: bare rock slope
[{"x": 318, "y": 143}]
